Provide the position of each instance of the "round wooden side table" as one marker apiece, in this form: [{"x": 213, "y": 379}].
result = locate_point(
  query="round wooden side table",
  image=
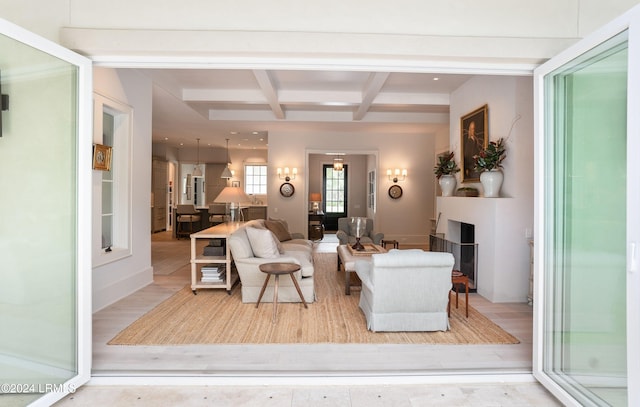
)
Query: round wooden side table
[{"x": 278, "y": 269}]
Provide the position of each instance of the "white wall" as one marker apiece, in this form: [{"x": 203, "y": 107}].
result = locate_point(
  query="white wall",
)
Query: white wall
[
  {"x": 118, "y": 279},
  {"x": 524, "y": 31},
  {"x": 541, "y": 19},
  {"x": 406, "y": 219},
  {"x": 503, "y": 264}
]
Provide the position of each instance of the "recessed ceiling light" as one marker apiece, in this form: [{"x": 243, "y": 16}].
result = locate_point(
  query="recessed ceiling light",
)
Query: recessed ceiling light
[
  {"x": 255, "y": 133},
  {"x": 436, "y": 79},
  {"x": 166, "y": 138},
  {"x": 233, "y": 132}
]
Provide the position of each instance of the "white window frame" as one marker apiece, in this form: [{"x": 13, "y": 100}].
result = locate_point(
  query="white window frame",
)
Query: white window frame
[
  {"x": 122, "y": 181},
  {"x": 246, "y": 184}
]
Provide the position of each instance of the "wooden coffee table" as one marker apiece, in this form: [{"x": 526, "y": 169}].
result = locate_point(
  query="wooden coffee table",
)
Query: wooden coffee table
[
  {"x": 278, "y": 269},
  {"x": 347, "y": 261}
]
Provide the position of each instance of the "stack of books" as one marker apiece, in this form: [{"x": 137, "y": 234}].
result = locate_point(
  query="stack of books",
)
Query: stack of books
[{"x": 213, "y": 273}]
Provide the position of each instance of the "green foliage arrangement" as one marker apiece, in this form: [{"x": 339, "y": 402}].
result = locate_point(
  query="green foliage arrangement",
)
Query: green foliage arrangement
[
  {"x": 491, "y": 157},
  {"x": 445, "y": 166}
]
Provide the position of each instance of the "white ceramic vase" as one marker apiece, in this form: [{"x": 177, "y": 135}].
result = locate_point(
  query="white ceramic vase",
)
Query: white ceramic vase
[
  {"x": 491, "y": 182},
  {"x": 447, "y": 184}
]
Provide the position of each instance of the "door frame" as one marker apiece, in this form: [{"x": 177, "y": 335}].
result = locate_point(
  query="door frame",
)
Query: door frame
[
  {"x": 332, "y": 219},
  {"x": 84, "y": 190},
  {"x": 629, "y": 21}
]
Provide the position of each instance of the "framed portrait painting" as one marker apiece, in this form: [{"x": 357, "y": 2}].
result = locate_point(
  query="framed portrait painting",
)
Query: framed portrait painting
[
  {"x": 473, "y": 138},
  {"x": 101, "y": 157}
]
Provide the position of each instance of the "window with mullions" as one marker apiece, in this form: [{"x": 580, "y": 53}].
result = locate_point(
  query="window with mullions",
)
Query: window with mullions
[
  {"x": 107, "y": 185},
  {"x": 112, "y": 206},
  {"x": 334, "y": 191},
  {"x": 255, "y": 179}
]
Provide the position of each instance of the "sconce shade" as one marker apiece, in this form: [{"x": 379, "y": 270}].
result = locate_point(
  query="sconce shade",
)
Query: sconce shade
[
  {"x": 395, "y": 175},
  {"x": 315, "y": 197},
  {"x": 286, "y": 174}
]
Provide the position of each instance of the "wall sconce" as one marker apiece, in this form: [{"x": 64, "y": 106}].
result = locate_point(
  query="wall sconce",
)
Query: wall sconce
[
  {"x": 394, "y": 176},
  {"x": 285, "y": 175}
]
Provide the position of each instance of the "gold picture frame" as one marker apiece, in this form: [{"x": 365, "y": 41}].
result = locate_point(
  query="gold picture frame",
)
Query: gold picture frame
[
  {"x": 101, "y": 157},
  {"x": 474, "y": 137}
]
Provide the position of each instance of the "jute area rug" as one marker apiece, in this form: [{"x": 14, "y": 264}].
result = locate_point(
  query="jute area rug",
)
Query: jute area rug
[{"x": 214, "y": 317}]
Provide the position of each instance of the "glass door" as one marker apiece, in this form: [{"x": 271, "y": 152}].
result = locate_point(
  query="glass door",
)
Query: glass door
[
  {"x": 45, "y": 268},
  {"x": 583, "y": 225},
  {"x": 335, "y": 190}
]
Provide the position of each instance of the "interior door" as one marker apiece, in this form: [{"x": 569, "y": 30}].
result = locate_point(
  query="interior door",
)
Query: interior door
[
  {"x": 45, "y": 265},
  {"x": 587, "y": 223},
  {"x": 335, "y": 189}
]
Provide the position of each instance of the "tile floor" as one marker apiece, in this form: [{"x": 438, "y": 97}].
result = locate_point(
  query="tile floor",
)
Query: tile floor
[{"x": 486, "y": 394}]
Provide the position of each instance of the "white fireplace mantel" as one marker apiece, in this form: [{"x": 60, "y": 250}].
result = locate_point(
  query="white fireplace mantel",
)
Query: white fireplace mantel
[{"x": 503, "y": 243}]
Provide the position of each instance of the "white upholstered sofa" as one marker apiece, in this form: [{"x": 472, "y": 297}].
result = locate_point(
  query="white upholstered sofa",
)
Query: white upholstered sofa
[
  {"x": 265, "y": 241},
  {"x": 406, "y": 290}
]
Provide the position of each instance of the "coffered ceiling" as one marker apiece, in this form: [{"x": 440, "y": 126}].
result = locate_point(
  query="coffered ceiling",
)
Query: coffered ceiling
[{"x": 246, "y": 105}]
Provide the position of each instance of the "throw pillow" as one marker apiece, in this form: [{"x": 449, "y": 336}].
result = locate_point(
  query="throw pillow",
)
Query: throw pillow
[
  {"x": 263, "y": 243},
  {"x": 279, "y": 229}
]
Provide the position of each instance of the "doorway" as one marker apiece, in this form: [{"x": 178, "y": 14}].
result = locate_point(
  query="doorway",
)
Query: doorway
[{"x": 336, "y": 190}]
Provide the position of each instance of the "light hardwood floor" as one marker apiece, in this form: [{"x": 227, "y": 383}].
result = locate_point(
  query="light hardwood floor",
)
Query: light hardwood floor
[{"x": 318, "y": 359}]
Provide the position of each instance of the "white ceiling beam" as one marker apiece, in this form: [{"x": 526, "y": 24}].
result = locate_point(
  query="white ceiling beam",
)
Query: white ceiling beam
[
  {"x": 224, "y": 95},
  {"x": 371, "y": 89},
  {"x": 321, "y": 97},
  {"x": 328, "y": 116},
  {"x": 397, "y": 98},
  {"x": 269, "y": 91}
]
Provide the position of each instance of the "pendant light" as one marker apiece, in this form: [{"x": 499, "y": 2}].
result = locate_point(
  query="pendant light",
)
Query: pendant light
[
  {"x": 197, "y": 172},
  {"x": 338, "y": 164},
  {"x": 226, "y": 173}
]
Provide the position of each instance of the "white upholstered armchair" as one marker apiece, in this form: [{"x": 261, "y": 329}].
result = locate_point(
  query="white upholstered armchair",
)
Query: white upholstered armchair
[{"x": 406, "y": 290}]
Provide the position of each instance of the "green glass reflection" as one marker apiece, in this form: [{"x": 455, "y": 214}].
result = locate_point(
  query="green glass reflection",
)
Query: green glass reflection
[
  {"x": 586, "y": 225},
  {"x": 38, "y": 227}
]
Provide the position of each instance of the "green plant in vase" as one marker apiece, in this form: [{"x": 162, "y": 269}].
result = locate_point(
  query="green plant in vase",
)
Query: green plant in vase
[
  {"x": 445, "y": 170},
  {"x": 445, "y": 166},
  {"x": 488, "y": 163},
  {"x": 491, "y": 157}
]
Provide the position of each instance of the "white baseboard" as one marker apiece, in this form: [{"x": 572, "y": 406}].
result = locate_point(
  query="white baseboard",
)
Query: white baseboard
[{"x": 105, "y": 296}]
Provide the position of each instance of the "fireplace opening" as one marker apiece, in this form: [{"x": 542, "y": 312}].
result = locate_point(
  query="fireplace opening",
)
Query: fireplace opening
[
  {"x": 468, "y": 252},
  {"x": 461, "y": 243}
]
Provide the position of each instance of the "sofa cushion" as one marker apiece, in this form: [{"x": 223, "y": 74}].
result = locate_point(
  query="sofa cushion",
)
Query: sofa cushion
[
  {"x": 279, "y": 228},
  {"x": 263, "y": 243},
  {"x": 305, "y": 260},
  {"x": 298, "y": 244}
]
